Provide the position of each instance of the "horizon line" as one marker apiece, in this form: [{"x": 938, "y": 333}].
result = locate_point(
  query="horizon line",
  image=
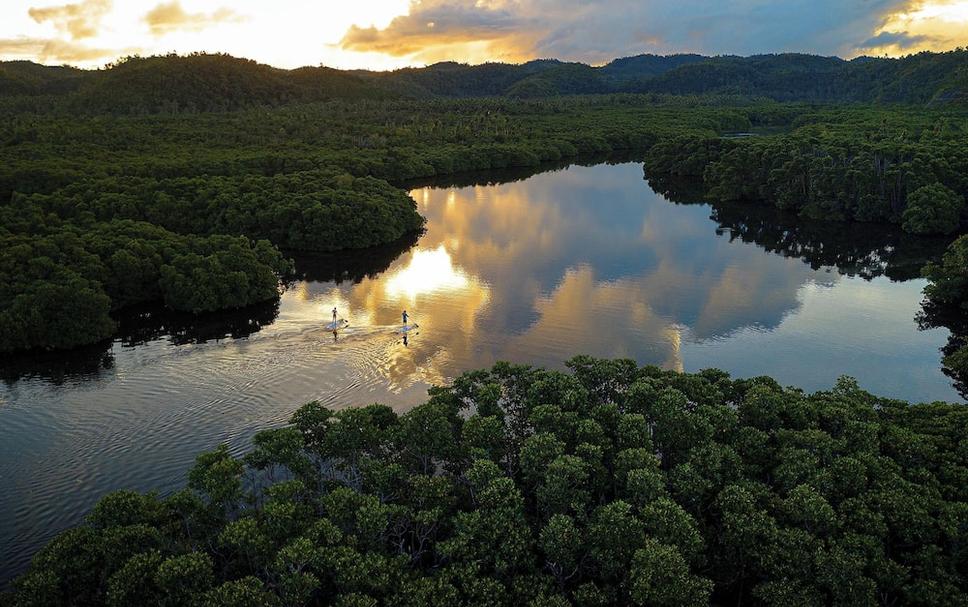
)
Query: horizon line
[{"x": 120, "y": 60}]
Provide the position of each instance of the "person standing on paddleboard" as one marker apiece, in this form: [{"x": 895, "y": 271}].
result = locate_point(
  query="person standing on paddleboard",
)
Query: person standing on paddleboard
[
  {"x": 405, "y": 317},
  {"x": 334, "y": 316}
]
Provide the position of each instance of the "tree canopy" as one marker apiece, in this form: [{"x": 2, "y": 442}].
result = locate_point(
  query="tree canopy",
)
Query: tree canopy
[
  {"x": 333, "y": 175},
  {"x": 613, "y": 484},
  {"x": 216, "y": 82}
]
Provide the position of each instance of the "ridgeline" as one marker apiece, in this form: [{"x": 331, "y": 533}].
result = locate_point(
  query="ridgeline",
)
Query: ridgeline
[{"x": 213, "y": 82}]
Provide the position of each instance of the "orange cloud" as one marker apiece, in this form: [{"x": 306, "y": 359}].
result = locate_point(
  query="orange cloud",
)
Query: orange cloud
[
  {"x": 55, "y": 50},
  {"x": 596, "y": 31},
  {"x": 921, "y": 26},
  {"x": 170, "y": 16},
  {"x": 80, "y": 20},
  {"x": 440, "y": 30}
]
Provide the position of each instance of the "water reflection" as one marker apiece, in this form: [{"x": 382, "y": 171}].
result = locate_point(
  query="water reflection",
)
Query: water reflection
[
  {"x": 352, "y": 266},
  {"x": 951, "y": 319},
  {"x": 588, "y": 260},
  {"x": 429, "y": 272},
  {"x": 854, "y": 249},
  {"x": 578, "y": 260},
  {"x": 136, "y": 327}
]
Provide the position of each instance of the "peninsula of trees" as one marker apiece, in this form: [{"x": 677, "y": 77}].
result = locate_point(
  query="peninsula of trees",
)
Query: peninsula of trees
[{"x": 612, "y": 485}]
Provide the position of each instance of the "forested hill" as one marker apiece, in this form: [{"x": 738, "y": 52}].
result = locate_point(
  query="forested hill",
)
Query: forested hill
[{"x": 203, "y": 82}]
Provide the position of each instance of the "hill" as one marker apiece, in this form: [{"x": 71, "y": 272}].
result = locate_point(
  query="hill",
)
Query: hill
[
  {"x": 28, "y": 78},
  {"x": 203, "y": 82}
]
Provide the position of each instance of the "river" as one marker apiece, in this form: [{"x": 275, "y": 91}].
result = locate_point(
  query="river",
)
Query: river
[{"x": 578, "y": 260}]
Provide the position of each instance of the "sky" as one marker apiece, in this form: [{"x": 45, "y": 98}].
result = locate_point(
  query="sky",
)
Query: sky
[{"x": 387, "y": 34}]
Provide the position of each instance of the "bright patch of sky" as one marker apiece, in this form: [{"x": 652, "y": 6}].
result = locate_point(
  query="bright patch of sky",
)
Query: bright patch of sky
[{"x": 386, "y": 34}]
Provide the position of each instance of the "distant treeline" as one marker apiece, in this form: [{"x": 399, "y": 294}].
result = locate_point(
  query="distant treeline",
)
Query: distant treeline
[
  {"x": 202, "y": 82},
  {"x": 867, "y": 165}
]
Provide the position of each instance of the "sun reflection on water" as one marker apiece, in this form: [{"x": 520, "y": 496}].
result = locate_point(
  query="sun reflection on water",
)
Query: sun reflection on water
[{"x": 429, "y": 271}]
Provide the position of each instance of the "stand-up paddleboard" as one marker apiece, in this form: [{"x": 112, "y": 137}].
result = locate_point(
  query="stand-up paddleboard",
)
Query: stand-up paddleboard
[
  {"x": 339, "y": 324},
  {"x": 408, "y": 328}
]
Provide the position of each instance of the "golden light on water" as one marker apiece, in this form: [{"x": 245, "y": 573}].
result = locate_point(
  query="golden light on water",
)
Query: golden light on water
[
  {"x": 514, "y": 272},
  {"x": 674, "y": 335},
  {"x": 429, "y": 271}
]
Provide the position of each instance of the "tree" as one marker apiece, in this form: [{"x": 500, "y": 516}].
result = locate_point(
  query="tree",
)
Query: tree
[
  {"x": 933, "y": 209},
  {"x": 948, "y": 282},
  {"x": 835, "y": 497},
  {"x": 660, "y": 576}
]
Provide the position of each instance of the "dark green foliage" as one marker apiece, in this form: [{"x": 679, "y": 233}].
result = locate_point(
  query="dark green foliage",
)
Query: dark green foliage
[
  {"x": 933, "y": 209},
  {"x": 617, "y": 485},
  {"x": 58, "y": 287},
  {"x": 100, "y": 213},
  {"x": 949, "y": 279},
  {"x": 863, "y": 164},
  {"x": 329, "y": 175},
  {"x": 202, "y": 82},
  {"x": 193, "y": 83},
  {"x": 307, "y": 210},
  {"x": 946, "y": 305}
]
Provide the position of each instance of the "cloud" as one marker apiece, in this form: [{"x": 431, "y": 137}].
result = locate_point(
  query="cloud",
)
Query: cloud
[
  {"x": 900, "y": 40},
  {"x": 170, "y": 16},
  {"x": 921, "y": 25},
  {"x": 46, "y": 50},
  {"x": 436, "y": 27},
  {"x": 598, "y": 30},
  {"x": 524, "y": 260},
  {"x": 80, "y": 20}
]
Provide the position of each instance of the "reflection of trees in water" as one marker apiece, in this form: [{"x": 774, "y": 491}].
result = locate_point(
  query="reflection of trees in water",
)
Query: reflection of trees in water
[
  {"x": 511, "y": 175},
  {"x": 138, "y": 326},
  {"x": 864, "y": 250},
  {"x": 351, "y": 266},
  {"x": 680, "y": 190},
  {"x": 149, "y": 324},
  {"x": 933, "y": 316},
  {"x": 84, "y": 363},
  {"x": 855, "y": 249},
  {"x": 144, "y": 324}
]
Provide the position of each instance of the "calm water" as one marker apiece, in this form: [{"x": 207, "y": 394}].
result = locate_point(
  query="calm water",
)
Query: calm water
[{"x": 584, "y": 260}]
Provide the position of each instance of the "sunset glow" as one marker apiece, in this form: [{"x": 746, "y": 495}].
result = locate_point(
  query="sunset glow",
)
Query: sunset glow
[
  {"x": 429, "y": 271},
  {"x": 925, "y": 26},
  {"x": 285, "y": 34},
  {"x": 387, "y": 34}
]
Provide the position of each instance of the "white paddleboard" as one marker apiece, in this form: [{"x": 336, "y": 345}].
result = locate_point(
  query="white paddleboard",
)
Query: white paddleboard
[
  {"x": 339, "y": 324},
  {"x": 408, "y": 328}
]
